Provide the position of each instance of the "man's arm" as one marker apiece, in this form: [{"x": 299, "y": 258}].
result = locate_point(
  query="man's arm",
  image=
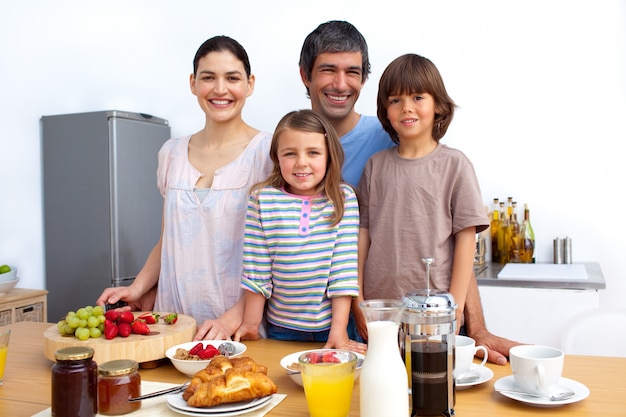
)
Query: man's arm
[{"x": 477, "y": 329}]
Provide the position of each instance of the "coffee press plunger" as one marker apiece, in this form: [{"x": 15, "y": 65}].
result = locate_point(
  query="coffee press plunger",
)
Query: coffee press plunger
[{"x": 427, "y": 347}]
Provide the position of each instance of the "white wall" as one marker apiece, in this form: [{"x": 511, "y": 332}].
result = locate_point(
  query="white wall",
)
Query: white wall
[{"x": 541, "y": 86}]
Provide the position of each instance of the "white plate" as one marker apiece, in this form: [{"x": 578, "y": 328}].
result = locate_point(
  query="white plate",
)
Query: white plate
[
  {"x": 178, "y": 404},
  {"x": 484, "y": 374},
  {"x": 508, "y": 382}
]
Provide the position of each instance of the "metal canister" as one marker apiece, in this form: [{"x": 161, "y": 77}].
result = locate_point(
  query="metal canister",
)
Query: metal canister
[
  {"x": 567, "y": 250},
  {"x": 558, "y": 251},
  {"x": 74, "y": 383},
  {"x": 427, "y": 347}
]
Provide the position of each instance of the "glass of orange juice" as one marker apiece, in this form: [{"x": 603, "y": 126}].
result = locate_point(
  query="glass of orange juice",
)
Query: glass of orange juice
[
  {"x": 4, "y": 347},
  {"x": 328, "y": 378}
]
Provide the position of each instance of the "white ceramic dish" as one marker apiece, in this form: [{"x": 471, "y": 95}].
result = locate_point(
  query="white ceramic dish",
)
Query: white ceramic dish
[
  {"x": 189, "y": 367},
  {"x": 508, "y": 382},
  {"x": 296, "y": 377},
  {"x": 176, "y": 403},
  {"x": 6, "y": 286},
  {"x": 9, "y": 276},
  {"x": 484, "y": 374}
]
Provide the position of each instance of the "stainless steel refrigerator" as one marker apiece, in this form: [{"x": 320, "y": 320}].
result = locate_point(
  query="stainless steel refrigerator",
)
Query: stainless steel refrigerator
[{"x": 102, "y": 207}]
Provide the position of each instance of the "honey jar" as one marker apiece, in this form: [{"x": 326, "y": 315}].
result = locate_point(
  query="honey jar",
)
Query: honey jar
[
  {"x": 118, "y": 380},
  {"x": 74, "y": 383}
]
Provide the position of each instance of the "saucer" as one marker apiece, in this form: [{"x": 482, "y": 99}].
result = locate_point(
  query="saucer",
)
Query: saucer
[
  {"x": 508, "y": 382},
  {"x": 484, "y": 374}
]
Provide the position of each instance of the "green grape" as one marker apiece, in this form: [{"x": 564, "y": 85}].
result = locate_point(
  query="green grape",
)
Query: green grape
[
  {"x": 97, "y": 311},
  {"x": 73, "y": 322},
  {"x": 92, "y": 322},
  {"x": 83, "y": 313},
  {"x": 94, "y": 332},
  {"x": 82, "y": 333}
]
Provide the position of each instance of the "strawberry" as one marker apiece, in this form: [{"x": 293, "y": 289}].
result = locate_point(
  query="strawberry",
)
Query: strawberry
[
  {"x": 170, "y": 318},
  {"x": 209, "y": 352},
  {"x": 329, "y": 357},
  {"x": 150, "y": 318},
  {"x": 112, "y": 315},
  {"x": 197, "y": 348},
  {"x": 140, "y": 327},
  {"x": 110, "y": 332},
  {"x": 126, "y": 317},
  {"x": 124, "y": 329}
]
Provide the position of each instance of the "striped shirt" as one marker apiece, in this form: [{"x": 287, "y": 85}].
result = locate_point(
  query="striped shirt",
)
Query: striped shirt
[{"x": 295, "y": 258}]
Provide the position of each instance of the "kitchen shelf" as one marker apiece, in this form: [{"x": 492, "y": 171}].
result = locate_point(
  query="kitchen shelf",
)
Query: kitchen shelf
[{"x": 22, "y": 304}]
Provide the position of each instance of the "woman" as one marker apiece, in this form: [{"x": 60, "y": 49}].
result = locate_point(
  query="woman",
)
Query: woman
[{"x": 205, "y": 180}]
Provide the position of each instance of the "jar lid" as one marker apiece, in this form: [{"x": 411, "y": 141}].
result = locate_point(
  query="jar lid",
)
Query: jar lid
[
  {"x": 73, "y": 353},
  {"x": 430, "y": 301},
  {"x": 118, "y": 367}
]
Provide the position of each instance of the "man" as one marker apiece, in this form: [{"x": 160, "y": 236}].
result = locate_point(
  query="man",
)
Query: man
[{"x": 334, "y": 66}]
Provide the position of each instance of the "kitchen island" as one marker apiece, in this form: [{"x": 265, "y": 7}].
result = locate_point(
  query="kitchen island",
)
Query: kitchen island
[{"x": 26, "y": 389}]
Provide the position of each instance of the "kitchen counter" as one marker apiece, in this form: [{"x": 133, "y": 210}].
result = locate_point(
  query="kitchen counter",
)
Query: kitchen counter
[
  {"x": 26, "y": 389},
  {"x": 487, "y": 275}
]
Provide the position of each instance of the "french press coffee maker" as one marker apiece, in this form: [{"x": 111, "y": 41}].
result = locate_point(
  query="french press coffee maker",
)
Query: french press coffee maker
[{"x": 427, "y": 347}]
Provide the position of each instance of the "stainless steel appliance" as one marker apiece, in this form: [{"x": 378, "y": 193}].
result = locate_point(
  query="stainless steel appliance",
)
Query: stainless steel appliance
[{"x": 102, "y": 208}]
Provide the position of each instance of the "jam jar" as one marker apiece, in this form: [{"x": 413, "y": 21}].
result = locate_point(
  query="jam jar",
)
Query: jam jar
[
  {"x": 118, "y": 380},
  {"x": 74, "y": 383}
]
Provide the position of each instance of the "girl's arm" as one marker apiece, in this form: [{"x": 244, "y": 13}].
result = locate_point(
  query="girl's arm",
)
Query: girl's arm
[
  {"x": 252, "y": 315},
  {"x": 462, "y": 268},
  {"x": 338, "y": 336},
  {"x": 364, "y": 247}
]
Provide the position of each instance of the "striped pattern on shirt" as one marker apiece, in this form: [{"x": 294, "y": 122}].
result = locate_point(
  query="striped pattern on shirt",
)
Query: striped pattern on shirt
[{"x": 296, "y": 259}]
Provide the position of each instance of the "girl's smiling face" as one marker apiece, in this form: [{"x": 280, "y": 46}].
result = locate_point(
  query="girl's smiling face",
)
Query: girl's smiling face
[{"x": 302, "y": 157}]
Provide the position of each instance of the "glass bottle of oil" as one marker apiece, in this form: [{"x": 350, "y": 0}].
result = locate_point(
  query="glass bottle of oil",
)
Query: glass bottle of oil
[
  {"x": 495, "y": 225},
  {"x": 515, "y": 244},
  {"x": 527, "y": 254},
  {"x": 504, "y": 235}
]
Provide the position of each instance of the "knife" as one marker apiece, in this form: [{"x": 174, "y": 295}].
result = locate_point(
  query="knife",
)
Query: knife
[{"x": 172, "y": 390}]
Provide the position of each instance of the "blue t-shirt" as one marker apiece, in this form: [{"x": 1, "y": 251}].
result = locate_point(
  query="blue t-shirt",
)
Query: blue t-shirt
[{"x": 367, "y": 138}]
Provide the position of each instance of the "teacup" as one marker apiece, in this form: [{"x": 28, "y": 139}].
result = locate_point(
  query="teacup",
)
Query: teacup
[
  {"x": 464, "y": 351},
  {"x": 536, "y": 368}
]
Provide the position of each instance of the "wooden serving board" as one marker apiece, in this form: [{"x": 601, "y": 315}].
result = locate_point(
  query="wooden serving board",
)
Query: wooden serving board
[{"x": 141, "y": 348}]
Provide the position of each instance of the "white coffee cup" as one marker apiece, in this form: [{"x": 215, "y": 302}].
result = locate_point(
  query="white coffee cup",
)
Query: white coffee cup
[
  {"x": 536, "y": 368},
  {"x": 464, "y": 351}
]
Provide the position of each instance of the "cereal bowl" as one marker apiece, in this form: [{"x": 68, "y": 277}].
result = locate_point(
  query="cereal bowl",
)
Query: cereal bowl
[
  {"x": 290, "y": 360},
  {"x": 189, "y": 366}
]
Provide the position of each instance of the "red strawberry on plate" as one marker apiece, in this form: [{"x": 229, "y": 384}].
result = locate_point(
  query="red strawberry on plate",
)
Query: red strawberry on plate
[{"x": 110, "y": 332}]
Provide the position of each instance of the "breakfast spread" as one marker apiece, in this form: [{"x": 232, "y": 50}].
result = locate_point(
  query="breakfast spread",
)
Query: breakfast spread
[{"x": 227, "y": 380}]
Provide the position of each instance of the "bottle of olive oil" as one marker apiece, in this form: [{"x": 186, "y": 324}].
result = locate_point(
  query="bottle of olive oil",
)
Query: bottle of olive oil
[
  {"x": 495, "y": 225},
  {"x": 527, "y": 254},
  {"x": 504, "y": 235},
  {"x": 515, "y": 244}
]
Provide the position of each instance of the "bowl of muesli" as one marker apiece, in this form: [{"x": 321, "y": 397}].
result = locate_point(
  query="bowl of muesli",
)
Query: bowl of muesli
[{"x": 192, "y": 357}]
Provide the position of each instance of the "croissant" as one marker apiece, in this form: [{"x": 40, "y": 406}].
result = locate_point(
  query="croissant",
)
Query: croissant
[{"x": 227, "y": 380}]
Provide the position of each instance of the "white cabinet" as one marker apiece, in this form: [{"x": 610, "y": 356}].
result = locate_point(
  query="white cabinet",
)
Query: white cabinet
[{"x": 533, "y": 315}]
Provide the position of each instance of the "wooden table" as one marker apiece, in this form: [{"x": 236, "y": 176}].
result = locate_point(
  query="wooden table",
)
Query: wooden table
[{"x": 26, "y": 389}]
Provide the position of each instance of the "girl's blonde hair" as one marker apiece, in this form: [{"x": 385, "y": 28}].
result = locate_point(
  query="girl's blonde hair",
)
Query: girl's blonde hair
[{"x": 313, "y": 122}]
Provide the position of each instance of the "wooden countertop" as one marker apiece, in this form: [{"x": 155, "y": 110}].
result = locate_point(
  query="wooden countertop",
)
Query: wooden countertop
[{"x": 26, "y": 388}]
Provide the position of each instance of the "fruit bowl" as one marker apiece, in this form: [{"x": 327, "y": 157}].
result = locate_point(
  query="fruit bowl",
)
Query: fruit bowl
[
  {"x": 190, "y": 367},
  {"x": 296, "y": 376},
  {"x": 6, "y": 286},
  {"x": 9, "y": 276}
]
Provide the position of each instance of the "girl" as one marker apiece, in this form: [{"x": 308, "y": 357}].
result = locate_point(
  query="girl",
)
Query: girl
[
  {"x": 205, "y": 179},
  {"x": 300, "y": 245},
  {"x": 419, "y": 199}
]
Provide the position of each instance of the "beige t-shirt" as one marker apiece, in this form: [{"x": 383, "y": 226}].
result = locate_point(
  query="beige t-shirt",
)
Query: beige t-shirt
[{"x": 413, "y": 208}]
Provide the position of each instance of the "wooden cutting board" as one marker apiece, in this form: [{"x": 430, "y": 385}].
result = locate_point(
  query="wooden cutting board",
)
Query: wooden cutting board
[{"x": 141, "y": 348}]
